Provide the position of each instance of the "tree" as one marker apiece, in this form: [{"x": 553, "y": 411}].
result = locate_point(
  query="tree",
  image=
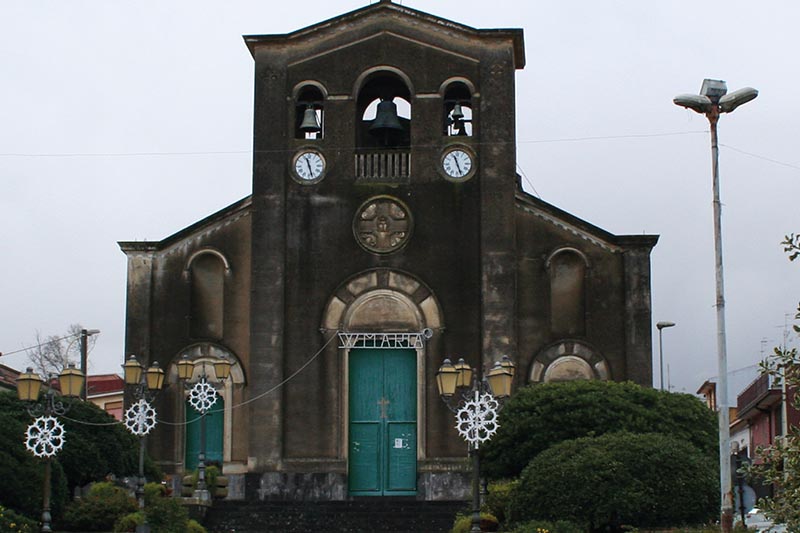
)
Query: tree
[
  {"x": 96, "y": 445},
  {"x": 540, "y": 416},
  {"x": 603, "y": 483},
  {"x": 52, "y": 354},
  {"x": 780, "y": 463}
]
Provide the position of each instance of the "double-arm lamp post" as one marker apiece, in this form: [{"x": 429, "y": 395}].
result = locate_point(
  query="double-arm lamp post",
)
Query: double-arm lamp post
[
  {"x": 476, "y": 400},
  {"x": 202, "y": 396},
  {"x": 45, "y": 436},
  {"x": 140, "y": 417}
]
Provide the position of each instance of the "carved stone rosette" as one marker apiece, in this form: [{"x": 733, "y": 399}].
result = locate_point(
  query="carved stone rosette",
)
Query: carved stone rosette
[{"x": 382, "y": 225}]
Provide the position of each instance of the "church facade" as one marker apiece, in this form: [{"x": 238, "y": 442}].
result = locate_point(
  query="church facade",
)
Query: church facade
[{"x": 386, "y": 231}]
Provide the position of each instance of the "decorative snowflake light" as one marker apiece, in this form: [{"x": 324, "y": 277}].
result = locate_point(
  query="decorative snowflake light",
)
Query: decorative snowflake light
[
  {"x": 202, "y": 396},
  {"x": 140, "y": 418},
  {"x": 45, "y": 436},
  {"x": 477, "y": 420}
]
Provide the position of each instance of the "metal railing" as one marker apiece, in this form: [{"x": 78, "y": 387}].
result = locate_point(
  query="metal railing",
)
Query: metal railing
[{"x": 389, "y": 166}]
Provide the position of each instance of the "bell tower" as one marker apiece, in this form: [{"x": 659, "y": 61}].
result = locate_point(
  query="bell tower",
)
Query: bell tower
[{"x": 383, "y": 150}]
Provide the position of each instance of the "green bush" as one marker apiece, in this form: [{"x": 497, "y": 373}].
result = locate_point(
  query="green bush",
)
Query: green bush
[
  {"x": 463, "y": 523},
  {"x": 648, "y": 480},
  {"x": 11, "y": 521},
  {"x": 498, "y": 498},
  {"x": 542, "y": 526},
  {"x": 193, "y": 526},
  {"x": 128, "y": 522},
  {"x": 539, "y": 416},
  {"x": 99, "y": 510}
]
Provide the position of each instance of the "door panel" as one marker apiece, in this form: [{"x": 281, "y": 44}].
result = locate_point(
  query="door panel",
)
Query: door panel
[
  {"x": 215, "y": 429},
  {"x": 383, "y": 422}
]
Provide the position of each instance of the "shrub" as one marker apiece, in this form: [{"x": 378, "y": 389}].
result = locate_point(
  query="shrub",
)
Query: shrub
[
  {"x": 539, "y": 416},
  {"x": 12, "y": 521},
  {"x": 128, "y": 522},
  {"x": 498, "y": 498},
  {"x": 648, "y": 480},
  {"x": 193, "y": 526},
  {"x": 541, "y": 526},
  {"x": 463, "y": 523},
  {"x": 99, "y": 510}
]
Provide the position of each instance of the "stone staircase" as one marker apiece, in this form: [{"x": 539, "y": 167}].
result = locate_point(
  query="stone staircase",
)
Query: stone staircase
[{"x": 363, "y": 515}]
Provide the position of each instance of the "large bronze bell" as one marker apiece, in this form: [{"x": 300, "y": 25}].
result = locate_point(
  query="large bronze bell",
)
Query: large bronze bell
[
  {"x": 386, "y": 120},
  {"x": 310, "y": 123}
]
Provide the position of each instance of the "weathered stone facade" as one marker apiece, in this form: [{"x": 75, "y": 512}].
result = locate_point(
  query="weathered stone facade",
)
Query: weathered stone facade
[{"x": 384, "y": 238}]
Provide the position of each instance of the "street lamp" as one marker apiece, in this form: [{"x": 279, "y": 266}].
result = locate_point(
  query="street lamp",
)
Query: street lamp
[
  {"x": 140, "y": 417},
  {"x": 711, "y": 102},
  {"x": 45, "y": 436},
  {"x": 476, "y": 402},
  {"x": 202, "y": 396},
  {"x": 660, "y": 326}
]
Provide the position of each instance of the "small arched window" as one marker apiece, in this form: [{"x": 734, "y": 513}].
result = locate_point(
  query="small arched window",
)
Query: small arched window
[
  {"x": 207, "y": 274},
  {"x": 457, "y": 110},
  {"x": 309, "y": 113},
  {"x": 567, "y": 270}
]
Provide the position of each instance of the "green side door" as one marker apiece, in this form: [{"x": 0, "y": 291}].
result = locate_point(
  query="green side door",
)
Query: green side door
[
  {"x": 382, "y": 422},
  {"x": 214, "y": 434}
]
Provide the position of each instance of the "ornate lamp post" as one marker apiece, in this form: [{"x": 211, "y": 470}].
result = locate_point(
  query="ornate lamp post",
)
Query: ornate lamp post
[
  {"x": 140, "y": 417},
  {"x": 45, "y": 436},
  {"x": 203, "y": 396},
  {"x": 476, "y": 402}
]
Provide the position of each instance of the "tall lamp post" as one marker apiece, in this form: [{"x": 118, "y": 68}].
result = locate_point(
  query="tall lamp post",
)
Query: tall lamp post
[
  {"x": 712, "y": 101},
  {"x": 476, "y": 401},
  {"x": 660, "y": 326},
  {"x": 140, "y": 417},
  {"x": 203, "y": 396},
  {"x": 45, "y": 436}
]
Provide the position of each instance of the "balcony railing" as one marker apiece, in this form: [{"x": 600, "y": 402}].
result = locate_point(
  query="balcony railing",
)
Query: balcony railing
[
  {"x": 390, "y": 166},
  {"x": 754, "y": 393}
]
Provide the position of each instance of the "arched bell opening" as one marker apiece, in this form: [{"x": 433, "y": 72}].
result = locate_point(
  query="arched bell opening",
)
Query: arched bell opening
[
  {"x": 309, "y": 113},
  {"x": 383, "y": 112},
  {"x": 457, "y": 110}
]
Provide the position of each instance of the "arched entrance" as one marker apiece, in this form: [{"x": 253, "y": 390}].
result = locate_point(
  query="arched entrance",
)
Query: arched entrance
[{"x": 379, "y": 315}]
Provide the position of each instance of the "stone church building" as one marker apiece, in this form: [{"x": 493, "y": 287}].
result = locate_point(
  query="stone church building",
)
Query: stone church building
[{"x": 386, "y": 230}]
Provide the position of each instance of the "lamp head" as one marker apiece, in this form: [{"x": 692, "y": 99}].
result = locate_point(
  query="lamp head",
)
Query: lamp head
[
  {"x": 696, "y": 102},
  {"x": 662, "y": 325},
  {"x": 731, "y": 101},
  {"x": 132, "y": 371}
]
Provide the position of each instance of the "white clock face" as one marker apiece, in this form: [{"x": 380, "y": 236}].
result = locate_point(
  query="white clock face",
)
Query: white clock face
[
  {"x": 457, "y": 163},
  {"x": 309, "y": 166}
]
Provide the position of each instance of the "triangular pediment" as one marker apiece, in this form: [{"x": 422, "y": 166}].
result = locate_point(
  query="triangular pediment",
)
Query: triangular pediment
[{"x": 418, "y": 26}]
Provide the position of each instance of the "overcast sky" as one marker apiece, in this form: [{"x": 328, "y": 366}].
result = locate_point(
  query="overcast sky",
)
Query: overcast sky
[{"x": 132, "y": 120}]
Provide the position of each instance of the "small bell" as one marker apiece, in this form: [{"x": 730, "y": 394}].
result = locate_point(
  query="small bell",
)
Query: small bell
[
  {"x": 457, "y": 113},
  {"x": 310, "y": 123}
]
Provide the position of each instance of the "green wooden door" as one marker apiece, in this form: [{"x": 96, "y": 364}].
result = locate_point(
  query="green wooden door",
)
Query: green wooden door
[
  {"x": 214, "y": 434},
  {"x": 383, "y": 422}
]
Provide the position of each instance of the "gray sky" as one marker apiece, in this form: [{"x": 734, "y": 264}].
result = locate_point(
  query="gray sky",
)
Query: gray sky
[{"x": 132, "y": 120}]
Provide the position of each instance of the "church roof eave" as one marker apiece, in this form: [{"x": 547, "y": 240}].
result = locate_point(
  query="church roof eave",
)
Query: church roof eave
[
  {"x": 582, "y": 228},
  {"x": 514, "y": 34},
  {"x": 155, "y": 246}
]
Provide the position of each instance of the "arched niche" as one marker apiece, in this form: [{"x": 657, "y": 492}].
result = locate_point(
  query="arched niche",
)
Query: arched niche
[
  {"x": 568, "y": 360},
  {"x": 206, "y": 271},
  {"x": 567, "y": 269}
]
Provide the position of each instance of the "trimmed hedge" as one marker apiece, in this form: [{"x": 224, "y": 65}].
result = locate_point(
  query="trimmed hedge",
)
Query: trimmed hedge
[{"x": 647, "y": 480}]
